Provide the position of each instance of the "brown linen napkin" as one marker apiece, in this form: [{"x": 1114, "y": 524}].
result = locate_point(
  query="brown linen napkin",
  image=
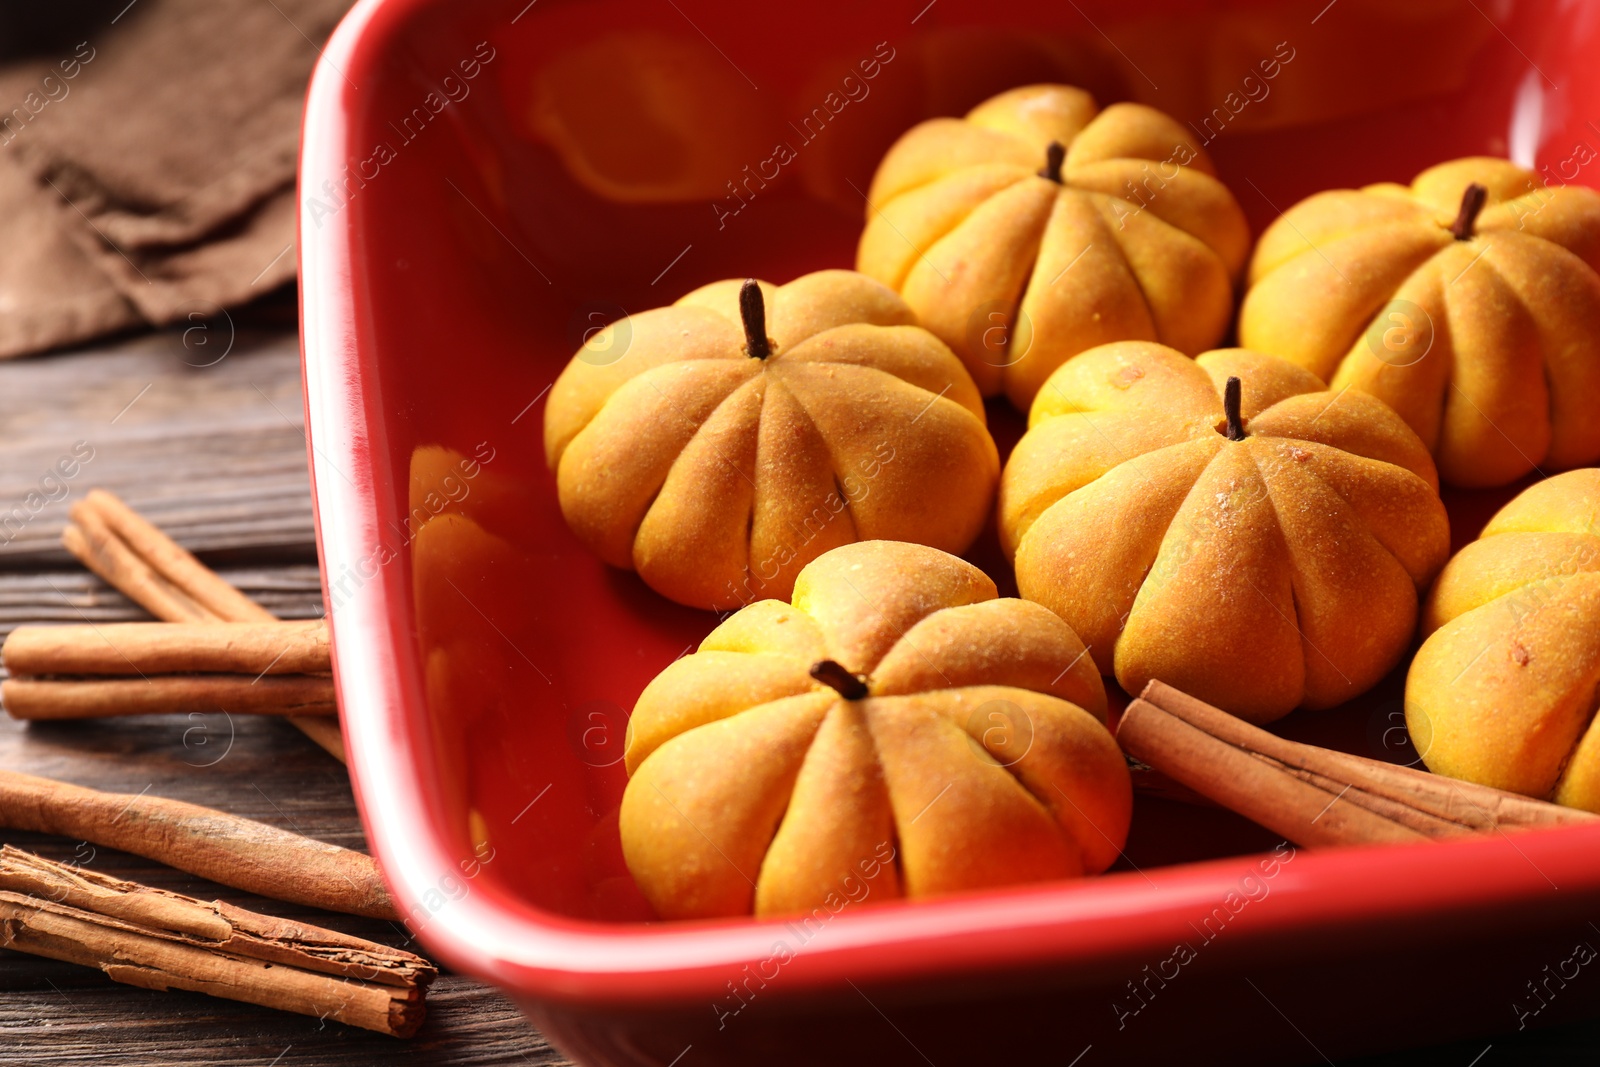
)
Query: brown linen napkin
[
  {"x": 149, "y": 171},
  {"x": 51, "y": 293}
]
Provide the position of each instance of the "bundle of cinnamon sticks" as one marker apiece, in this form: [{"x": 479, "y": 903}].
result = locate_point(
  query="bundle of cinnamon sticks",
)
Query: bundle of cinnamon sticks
[
  {"x": 217, "y": 650},
  {"x": 1314, "y": 796},
  {"x": 81, "y": 672},
  {"x": 161, "y": 940}
]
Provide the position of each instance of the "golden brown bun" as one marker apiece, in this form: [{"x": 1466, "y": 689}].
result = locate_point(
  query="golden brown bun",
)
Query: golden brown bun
[
  {"x": 1260, "y": 575},
  {"x": 1018, "y": 273},
  {"x": 1503, "y": 690},
  {"x": 718, "y": 476},
  {"x": 1488, "y": 347},
  {"x": 978, "y": 757}
]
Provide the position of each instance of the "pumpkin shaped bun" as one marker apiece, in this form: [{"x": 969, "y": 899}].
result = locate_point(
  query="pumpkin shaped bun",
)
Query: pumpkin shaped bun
[
  {"x": 1039, "y": 226},
  {"x": 1223, "y": 524},
  {"x": 1468, "y": 302},
  {"x": 896, "y": 731},
  {"x": 719, "y": 445},
  {"x": 1502, "y": 691}
]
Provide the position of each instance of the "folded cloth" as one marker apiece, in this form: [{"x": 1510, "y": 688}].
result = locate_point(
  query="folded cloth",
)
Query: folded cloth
[
  {"x": 51, "y": 292},
  {"x": 149, "y": 172}
]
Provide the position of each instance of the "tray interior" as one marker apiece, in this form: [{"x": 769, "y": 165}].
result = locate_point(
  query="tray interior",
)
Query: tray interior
[{"x": 501, "y": 215}]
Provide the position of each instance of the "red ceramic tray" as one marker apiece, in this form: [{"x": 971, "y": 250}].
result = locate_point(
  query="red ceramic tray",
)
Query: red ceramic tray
[{"x": 484, "y": 182}]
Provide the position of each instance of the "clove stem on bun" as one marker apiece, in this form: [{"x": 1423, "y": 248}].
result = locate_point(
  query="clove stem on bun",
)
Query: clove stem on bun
[
  {"x": 1053, "y": 157},
  {"x": 834, "y": 675},
  {"x": 753, "y": 311},
  {"x": 1232, "y": 396},
  {"x": 1472, "y": 201}
]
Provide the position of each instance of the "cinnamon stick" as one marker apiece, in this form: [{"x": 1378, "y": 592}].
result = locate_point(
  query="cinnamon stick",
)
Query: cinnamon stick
[
  {"x": 253, "y": 648},
  {"x": 172, "y": 563},
  {"x": 1473, "y": 806},
  {"x": 150, "y": 568},
  {"x": 1314, "y": 796},
  {"x": 1234, "y": 778},
  {"x": 1423, "y": 822},
  {"x": 162, "y": 940},
  {"x": 94, "y": 698},
  {"x": 89, "y": 539},
  {"x": 227, "y": 849}
]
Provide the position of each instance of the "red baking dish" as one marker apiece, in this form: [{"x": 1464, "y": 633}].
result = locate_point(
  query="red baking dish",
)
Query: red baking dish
[{"x": 482, "y": 183}]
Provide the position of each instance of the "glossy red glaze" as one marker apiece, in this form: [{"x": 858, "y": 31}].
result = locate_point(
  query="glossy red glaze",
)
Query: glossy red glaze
[{"x": 452, "y": 261}]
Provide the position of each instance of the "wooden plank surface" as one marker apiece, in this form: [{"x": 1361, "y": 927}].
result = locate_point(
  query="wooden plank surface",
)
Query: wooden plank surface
[
  {"x": 216, "y": 455},
  {"x": 290, "y": 591}
]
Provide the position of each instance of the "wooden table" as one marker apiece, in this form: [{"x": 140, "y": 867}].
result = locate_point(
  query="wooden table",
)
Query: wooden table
[{"x": 213, "y": 450}]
